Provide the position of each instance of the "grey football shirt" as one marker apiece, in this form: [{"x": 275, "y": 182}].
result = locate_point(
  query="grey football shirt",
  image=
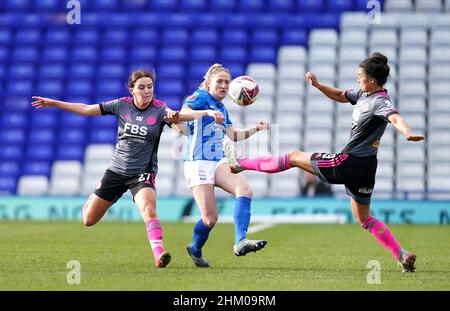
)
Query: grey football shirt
[
  {"x": 370, "y": 118},
  {"x": 138, "y": 135}
]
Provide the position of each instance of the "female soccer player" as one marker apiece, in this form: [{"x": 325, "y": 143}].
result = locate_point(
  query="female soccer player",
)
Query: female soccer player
[
  {"x": 206, "y": 166},
  {"x": 356, "y": 165},
  {"x": 134, "y": 162}
]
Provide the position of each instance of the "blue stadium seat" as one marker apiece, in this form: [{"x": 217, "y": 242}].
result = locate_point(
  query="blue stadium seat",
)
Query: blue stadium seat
[
  {"x": 44, "y": 119},
  {"x": 193, "y": 85},
  {"x": 164, "y": 5},
  {"x": 50, "y": 88},
  {"x": 82, "y": 87},
  {"x": 57, "y": 37},
  {"x": 4, "y": 57},
  {"x": 205, "y": 20},
  {"x": 143, "y": 54},
  {"x": 106, "y": 5},
  {"x": 85, "y": 53},
  {"x": 21, "y": 71},
  {"x": 294, "y": 37},
  {"x": 259, "y": 21},
  {"x": 72, "y": 120},
  {"x": 236, "y": 69},
  {"x": 70, "y": 152},
  {"x": 251, "y": 5},
  {"x": 323, "y": 20},
  {"x": 10, "y": 168},
  {"x": 8, "y": 185},
  {"x": 224, "y": 5},
  {"x": 106, "y": 121},
  {"x": 37, "y": 152},
  {"x": 20, "y": 5},
  {"x": 115, "y": 20},
  {"x": 102, "y": 136},
  {"x": 193, "y": 5},
  {"x": 5, "y": 37},
  {"x": 13, "y": 136},
  {"x": 340, "y": 5},
  {"x": 173, "y": 53},
  {"x": 311, "y": 5},
  {"x": 174, "y": 87},
  {"x": 264, "y": 37},
  {"x": 14, "y": 103},
  {"x": 203, "y": 53},
  {"x": 42, "y": 135},
  {"x": 115, "y": 37},
  {"x": 25, "y": 54},
  {"x": 86, "y": 36},
  {"x": 110, "y": 89},
  {"x": 169, "y": 71},
  {"x": 71, "y": 136},
  {"x": 81, "y": 71},
  {"x": 181, "y": 20},
  {"x": 14, "y": 120},
  {"x": 197, "y": 70},
  {"x": 79, "y": 98},
  {"x": 282, "y": 5},
  {"x": 27, "y": 37},
  {"x": 10, "y": 153},
  {"x": 205, "y": 36},
  {"x": 52, "y": 71},
  {"x": 235, "y": 36},
  {"x": 236, "y": 20},
  {"x": 20, "y": 88},
  {"x": 34, "y": 167},
  {"x": 263, "y": 54},
  {"x": 112, "y": 70},
  {"x": 145, "y": 36},
  {"x": 175, "y": 36},
  {"x": 134, "y": 5},
  {"x": 54, "y": 54},
  {"x": 50, "y": 5},
  {"x": 232, "y": 53}
]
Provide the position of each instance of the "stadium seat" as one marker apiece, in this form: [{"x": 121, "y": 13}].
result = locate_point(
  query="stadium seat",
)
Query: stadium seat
[
  {"x": 263, "y": 54},
  {"x": 65, "y": 186},
  {"x": 81, "y": 70},
  {"x": 428, "y": 5},
  {"x": 84, "y": 54},
  {"x": 102, "y": 136},
  {"x": 261, "y": 36},
  {"x": 13, "y": 136},
  {"x": 10, "y": 169},
  {"x": 203, "y": 53},
  {"x": 294, "y": 37},
  {"x": 234, "y": 36},
  {"x": 33, "y": 185},
  {"x": 37, "y": 168},
  {"x": 86, "y": 36},
  {"x": 73, "y": 120},
  {"x": 175, "y": 36},
  {"x": 52, "y": 71},
  {"x": 98, "y": 152},
  {"x": 8, "y": 185},
  {"x": 35, "y": 152},
  {"x": 43, "y": 119},
  {"x": 398, "y": 5},
  {"x": 70, "y": 152},
  {"x": 205, "y": 36}
]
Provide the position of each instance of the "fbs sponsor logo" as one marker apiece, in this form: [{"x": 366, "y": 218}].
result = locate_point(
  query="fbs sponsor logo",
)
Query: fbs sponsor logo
[{"x": 365, "y": 190}]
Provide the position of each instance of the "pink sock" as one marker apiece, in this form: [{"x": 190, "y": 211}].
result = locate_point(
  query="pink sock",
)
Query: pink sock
[
  {"x": 266, "y": 164},
  {"x": 384, "y": 236},
  {"x": 154, "y": 235}
]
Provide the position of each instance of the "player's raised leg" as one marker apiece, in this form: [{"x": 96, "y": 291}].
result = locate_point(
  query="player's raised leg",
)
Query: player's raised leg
[
  {"x": 146, "y": 201},
  {"x": 94, "y": 209},
  {"x": 237, "y": 185},
  {"x": 383, "y": 234},
  {"x": 206, "y": 201}
]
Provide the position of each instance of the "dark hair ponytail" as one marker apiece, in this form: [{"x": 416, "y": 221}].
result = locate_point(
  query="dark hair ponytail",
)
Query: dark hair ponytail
[{"x": 376, "y": 66}]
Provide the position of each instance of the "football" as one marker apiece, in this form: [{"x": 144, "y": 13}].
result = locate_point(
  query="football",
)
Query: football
[{"x": 243, "y": 90}]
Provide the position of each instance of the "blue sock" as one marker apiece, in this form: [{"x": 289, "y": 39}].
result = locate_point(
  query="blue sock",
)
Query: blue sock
[
  {"x": 201, "y": 234},
  {"x": 241, "y": 218}
]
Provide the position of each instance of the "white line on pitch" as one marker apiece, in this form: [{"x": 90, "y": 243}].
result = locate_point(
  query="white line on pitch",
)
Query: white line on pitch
[{"x": 260, "y": 227}]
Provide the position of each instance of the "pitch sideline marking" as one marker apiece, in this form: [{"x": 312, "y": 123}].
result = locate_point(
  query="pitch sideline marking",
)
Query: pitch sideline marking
[{"x": 260, "y": 227}]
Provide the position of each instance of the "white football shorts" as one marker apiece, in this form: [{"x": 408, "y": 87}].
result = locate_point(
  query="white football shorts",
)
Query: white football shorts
[{"x": 201, "y": 172}]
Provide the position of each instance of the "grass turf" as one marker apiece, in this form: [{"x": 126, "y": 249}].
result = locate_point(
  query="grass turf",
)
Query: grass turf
[{"x": 117, "y": 256}]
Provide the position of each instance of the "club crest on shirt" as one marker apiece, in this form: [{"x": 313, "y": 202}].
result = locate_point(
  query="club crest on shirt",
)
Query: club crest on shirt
[
  {"x": 192, "y": 97},
  {"x": 139, "y": 118}
]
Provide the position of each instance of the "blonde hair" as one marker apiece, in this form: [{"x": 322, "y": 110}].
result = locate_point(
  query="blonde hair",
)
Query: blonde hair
[{"x": 216, "y": 68}]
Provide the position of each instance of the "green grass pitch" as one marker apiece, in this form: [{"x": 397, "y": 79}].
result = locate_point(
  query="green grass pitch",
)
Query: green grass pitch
[{"x": 117, "y": 256}]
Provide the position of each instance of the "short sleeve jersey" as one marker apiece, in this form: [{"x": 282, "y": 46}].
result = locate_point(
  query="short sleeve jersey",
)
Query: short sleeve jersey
[
  {"x": 138, "y": 135},
  {"x": 370, "y": 118},
  {"x": 206, "y": 136}
]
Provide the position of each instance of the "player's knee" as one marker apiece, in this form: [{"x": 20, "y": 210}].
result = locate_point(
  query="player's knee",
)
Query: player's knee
[
  {"x": 210, "y": 220},
  {"x": 150, "y": 210},
  {"x": 361, "y": 219},
  {"x": 244, "y": 190},
  {"x": 295, "y": 157}
]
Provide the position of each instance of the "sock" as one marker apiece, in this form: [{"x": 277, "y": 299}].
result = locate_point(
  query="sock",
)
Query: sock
[
  {"x": 241, "y": 218},
  {"x": 266, "y": 164},
  {"x": 154, "y": 235},
  {"x": 201, "y": 234},
  {"x": 384, "y": 236}
]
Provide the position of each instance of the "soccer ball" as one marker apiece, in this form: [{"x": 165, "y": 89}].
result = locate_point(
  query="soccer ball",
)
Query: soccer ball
[{"x": 243, "y": 90}]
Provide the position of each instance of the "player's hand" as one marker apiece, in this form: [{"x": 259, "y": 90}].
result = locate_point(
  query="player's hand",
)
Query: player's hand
[
  {"x": 217, "y": 115},
  {"x": 414, "y": 137},
  {"x": 262, "y": 125},
  {"x": 172, "y": 116},
  {"x": 42, "y": 102},
  {"x": 311, "y": 76}
]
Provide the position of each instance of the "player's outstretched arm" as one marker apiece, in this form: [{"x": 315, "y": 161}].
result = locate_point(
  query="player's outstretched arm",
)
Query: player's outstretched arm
[
  {"x": 331, "y": 92},
  {"x": 78, "y": 108},
  {"x": 177, "y": 125},
  {"x": 189, "y": 114},
  {"x": 400, "y": 124},
  {"x": 236, "y": 134}
]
